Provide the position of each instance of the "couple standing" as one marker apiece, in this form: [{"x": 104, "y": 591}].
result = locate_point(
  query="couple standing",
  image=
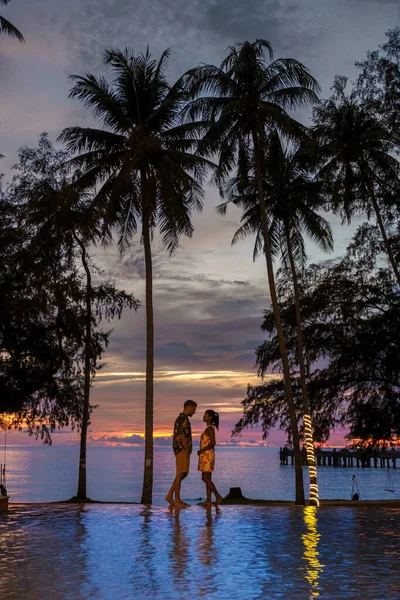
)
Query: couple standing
[{"x": 182, "y": 445}]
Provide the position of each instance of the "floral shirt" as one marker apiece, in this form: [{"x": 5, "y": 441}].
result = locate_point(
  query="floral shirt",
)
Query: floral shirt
[{"x": 182, "y": 427}]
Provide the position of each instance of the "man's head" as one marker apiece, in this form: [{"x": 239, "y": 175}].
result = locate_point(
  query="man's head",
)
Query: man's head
[{"x": 189, "y": 408}]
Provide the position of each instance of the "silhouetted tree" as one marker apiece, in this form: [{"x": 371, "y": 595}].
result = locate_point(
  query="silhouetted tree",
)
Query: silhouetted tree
[
  {"x": 350, "y": 320},
  {"x": 143, "y": 164},
  {"x": 59, "y": 220},
  {"x": 378, "y": 83},
  {"x": 293, "y": 198},
  {"x": 242, "y": 100},
  {"x": 40, "y": 296},
  {"x": 357, "y": 163}
]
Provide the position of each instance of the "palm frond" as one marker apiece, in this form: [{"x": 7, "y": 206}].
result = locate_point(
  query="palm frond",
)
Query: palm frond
[
  {"x": 10, "y": 30},
  {"x": 98, "y": 96},
  {"x": 292, "y": 97},
  {"x": 288, "y": 73},
  {"x": 83, "y": 139}
]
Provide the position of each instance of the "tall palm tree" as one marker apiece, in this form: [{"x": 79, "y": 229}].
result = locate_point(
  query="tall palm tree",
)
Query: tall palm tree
[
  {"x": 243, "y": 99},
  {"x": 7, "y": 27},
  {"x": 355, "y": 159},
  {"x": 142, "y": 163},
  {"x": 294, "y": 199}
]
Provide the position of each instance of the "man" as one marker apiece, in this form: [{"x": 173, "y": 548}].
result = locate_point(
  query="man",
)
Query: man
[{"x": 182, "y": 445}]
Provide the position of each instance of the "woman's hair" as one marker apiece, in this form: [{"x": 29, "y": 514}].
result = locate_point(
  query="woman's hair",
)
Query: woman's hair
[{"x": 214, "y": 418}]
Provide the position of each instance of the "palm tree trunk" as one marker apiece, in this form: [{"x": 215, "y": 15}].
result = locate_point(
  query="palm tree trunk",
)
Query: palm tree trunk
[
  {"x": 147, "y": 492},
  {"x": 312, "y": 469},
  {"x": 382, "y": 229},
  {"x": 279, "y": 330},
  {"x": 81, "y": 493}
]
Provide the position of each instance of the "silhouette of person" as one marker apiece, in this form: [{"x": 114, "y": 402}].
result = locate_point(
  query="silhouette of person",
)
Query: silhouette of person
[
  {"x": 207, "y": 456},
  {"x": 182, "y": 446}
]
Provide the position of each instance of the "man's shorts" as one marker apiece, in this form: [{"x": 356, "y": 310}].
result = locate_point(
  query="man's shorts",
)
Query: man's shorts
[{"x": 182, "y": 462}]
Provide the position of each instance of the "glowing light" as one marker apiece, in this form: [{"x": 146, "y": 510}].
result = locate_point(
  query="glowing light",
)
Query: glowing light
[
  {"x": 312, "y": 469},
  {"x": 311, "y": 554}
]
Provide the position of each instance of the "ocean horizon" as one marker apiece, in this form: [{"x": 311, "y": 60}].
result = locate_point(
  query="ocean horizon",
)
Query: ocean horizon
[{"x": 115, "y": 474}]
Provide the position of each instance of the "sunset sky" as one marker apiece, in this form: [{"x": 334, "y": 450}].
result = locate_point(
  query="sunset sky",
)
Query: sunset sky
[{"x": 209, "y": 297}]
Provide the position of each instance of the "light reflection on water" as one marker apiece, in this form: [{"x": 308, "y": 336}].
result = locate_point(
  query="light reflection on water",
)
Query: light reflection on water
[
  {"x": 69, "y": 552},
  {"x": 311, "y": 554}
]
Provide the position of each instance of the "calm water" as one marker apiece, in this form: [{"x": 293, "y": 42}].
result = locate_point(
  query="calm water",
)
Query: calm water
[
  {"x": 43, "y": 474},
  {"x": 123, "y": 552}
]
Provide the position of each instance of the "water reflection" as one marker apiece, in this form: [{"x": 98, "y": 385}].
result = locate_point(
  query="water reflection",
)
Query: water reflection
[
  {"x": 180, "y": 555},
  {"x": 207, "y": 552},
  {"x": 147, "y": 557},
  {"x": 125, "y": 552},
  {"x": 33, "y": 538},
  {"x": 310, "y": 539},
  {"x": 206, "y": 547}
]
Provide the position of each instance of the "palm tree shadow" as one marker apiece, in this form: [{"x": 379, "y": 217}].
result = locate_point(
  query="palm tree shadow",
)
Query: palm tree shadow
[
  {"x": 147, "y": 556},
  {"x": 180, "y": 553},
  {"x": 208, "y": 553}
]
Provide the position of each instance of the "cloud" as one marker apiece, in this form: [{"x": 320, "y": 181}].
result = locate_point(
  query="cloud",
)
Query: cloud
[
  {"x": 130, "y": 440},
  {"x": 134, "y": 440},
  {"x": 186, "y": 344},
  {"x": 209, "y": 297},
  {"x": 176, "y": 352},
  {"x": 202, "y": 28}
]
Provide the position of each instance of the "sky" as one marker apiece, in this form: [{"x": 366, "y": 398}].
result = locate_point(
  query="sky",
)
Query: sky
[{"x": 209, "y": 297}]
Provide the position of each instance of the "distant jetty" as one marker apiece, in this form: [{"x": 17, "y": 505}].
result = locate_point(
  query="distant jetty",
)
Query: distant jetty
[
  {"x": 365, "y": 458},
  {"x": 3, "y": 503}
]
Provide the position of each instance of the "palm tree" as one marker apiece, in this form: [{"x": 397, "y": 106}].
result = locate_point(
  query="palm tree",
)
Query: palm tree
[
  {"x": 7, "y": 27},
  {"x": 294, "y": 199},
  {"x": 242, "y": 100},
  {"x": 144, "y": 170},
  {"x": 355, "y": 158}
]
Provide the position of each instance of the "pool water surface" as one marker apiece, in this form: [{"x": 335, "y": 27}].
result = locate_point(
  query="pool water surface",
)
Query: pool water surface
[{"x": 72, "y": 552}]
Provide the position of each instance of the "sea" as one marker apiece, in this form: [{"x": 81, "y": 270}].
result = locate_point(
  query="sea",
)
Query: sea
[{"x": 115, "y": 474}]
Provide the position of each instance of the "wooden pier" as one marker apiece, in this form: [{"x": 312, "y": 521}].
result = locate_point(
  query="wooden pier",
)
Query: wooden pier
[
  {"x": 369, "y": 458},
  {"x": 3, "y": 503}
]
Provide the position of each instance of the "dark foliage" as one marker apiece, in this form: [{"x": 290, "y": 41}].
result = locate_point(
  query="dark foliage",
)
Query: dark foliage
[
  {"x": 42, "y": 298},
  {"x": 351, "y": 320}
]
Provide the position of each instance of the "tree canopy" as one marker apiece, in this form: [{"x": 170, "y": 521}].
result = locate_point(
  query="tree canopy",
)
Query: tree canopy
[
  {"x": 42, "y": 300},
  {"x": 350, "y": 313}
]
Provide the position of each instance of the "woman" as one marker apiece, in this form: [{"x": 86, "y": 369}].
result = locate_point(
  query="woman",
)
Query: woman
[{"x": 207, "y": 455}]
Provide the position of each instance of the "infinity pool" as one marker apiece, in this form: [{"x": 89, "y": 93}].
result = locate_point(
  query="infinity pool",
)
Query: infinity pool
[{"x": 118, "y": 552}]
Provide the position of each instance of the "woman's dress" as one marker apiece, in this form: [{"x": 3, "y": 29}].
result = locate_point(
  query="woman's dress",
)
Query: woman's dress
[{"x": 207, "y": 458}]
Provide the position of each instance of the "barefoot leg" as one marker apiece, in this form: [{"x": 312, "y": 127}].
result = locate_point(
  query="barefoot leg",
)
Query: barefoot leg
[{"x": 212, "y": 489}]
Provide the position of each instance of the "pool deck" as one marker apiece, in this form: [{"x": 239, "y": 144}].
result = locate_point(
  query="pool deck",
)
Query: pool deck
[
  {"x": 336, "y": 502},
  {"x": 237, "y": 502}
]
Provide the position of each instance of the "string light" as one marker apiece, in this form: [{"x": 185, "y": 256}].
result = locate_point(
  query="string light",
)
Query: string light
[{"x": 312, "y": 469}]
